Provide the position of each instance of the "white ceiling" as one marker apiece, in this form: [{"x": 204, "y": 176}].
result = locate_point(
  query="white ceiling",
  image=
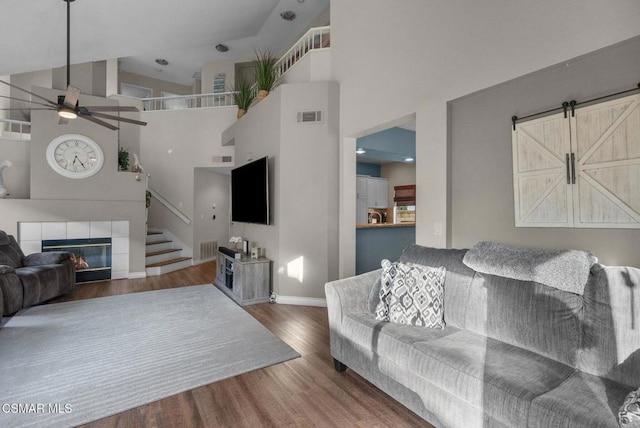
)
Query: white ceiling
[{"x": 183, "y": 32}]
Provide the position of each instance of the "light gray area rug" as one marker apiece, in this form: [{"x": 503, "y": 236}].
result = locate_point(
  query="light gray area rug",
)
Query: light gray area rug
[{"x": 70, "y": 363}]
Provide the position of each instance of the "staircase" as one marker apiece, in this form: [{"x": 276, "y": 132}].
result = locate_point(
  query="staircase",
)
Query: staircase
[{"x": 162, "y": 255}]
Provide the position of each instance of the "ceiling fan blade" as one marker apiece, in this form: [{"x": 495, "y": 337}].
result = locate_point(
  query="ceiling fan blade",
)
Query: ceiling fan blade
[
  {"x": 30, "y": 93},
  {"x": 30, "y": 109},
  {"x": 118, "y": 118},
  {"x": 112, "y": 108},
  {"x": 26, "y": 101},
  {"x": 71, "y": 97},
  {"x": 98, "y": 121}
]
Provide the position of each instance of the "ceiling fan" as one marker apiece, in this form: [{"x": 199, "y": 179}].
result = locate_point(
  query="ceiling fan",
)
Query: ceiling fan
[{"x": 67, "y": 105}]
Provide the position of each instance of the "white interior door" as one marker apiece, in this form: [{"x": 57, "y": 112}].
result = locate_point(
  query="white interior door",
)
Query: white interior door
[
  {"x": 606, "y": 142},
  {"x": 542, "y": 196}
]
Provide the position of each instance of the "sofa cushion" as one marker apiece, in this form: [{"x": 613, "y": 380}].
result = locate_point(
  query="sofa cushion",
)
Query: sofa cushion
[
  {"x": 491, "y": 375},
  {"x": 411, "y": 294},
  {"x": 388, "y": 340},
  {"x": 583, "y": 400},
  {"x": 12, "y": 293},
  {"x": 4, "y": 238},
  {"x": 611, "y": 339},
  {"x": 566, "y": 270},
  {"x": 41, "y": 283},
  {"x": 457, "y": 280},
  {"x": 11, "y": 254},
  {"x": 528, "y": 315}
]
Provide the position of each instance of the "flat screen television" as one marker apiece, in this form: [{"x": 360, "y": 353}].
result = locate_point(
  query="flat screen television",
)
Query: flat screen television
[{"x": 250, "y": 192}]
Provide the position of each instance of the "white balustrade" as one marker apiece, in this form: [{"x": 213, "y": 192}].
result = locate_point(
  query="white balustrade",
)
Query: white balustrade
[
  {"x": 15, "y": 129},
  {"x": 179, "y": 102},
  {"x": 315, "y": 38}
]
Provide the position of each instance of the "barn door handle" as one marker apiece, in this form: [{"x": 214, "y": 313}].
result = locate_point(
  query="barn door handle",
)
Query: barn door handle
[
  {"x": 568, "y": 168},
  {"x": 573, "y": 168}
]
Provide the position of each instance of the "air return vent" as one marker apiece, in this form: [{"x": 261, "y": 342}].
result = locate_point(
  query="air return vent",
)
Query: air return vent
[
  {"x": 314, "y": 116},
  {"x": 208, "y": 249},
  {"x": 222, "y": 159}
]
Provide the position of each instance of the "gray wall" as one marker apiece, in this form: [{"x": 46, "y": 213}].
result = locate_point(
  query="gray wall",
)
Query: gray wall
[
  {"x": 108, "y": 195},
  {"x": 303, "y": 236},
  {"x": 16, "y": 177},
  {"x": 210, "y": 189},
  {"x": 172, "y": 144},
  {"x": 481, "y": 181}
]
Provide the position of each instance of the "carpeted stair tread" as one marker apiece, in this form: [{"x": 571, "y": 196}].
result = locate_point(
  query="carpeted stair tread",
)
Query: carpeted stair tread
[
  {"x": 157, "y": 253},
  {"x": 168, "y": 262}
]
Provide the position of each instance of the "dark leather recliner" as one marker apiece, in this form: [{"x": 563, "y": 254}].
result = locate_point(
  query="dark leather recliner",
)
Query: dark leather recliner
[{"x": 36, "y": 278}]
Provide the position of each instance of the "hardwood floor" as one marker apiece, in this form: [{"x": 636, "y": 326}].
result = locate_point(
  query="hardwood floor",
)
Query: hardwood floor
[{"x": 305, "y": 392}]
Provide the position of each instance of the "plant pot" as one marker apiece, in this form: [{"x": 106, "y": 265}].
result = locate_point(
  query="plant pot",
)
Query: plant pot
[
  {"x": 262, "y": 94},
  {"x": 240, "y": 113}
]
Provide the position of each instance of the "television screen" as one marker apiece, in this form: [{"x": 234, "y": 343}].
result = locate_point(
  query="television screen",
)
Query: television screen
[{"x": 250, "y": 192}]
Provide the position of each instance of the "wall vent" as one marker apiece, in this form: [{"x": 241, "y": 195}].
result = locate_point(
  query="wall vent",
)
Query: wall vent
[
  {"x": 222, "y": 159},
  {"x": 314, "y": 116},
  {"x": 208, "y": 250}
]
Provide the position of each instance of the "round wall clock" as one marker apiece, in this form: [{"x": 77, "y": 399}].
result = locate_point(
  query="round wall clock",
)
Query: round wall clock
[{"x": 75, "y": 156}]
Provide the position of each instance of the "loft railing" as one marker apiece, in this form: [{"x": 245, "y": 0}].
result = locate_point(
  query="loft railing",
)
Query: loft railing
[
  {"x": 15, "y": 129},
  {"x": 157, "y": 196},
  {"x": 179, "y": 102},
  {"x": 315, "y": 38}
]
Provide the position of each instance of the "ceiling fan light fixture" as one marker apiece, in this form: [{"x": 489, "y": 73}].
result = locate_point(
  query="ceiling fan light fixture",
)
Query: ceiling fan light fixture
[
  {"x": 67, "y": 113},
  {"x": 288, "y": 15}
]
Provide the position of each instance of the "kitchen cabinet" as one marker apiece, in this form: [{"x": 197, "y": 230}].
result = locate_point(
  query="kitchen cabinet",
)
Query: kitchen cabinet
[
  {"x": 579, "y": 171},
  {"x": 371, "y": 192},
  {"x": 378, "y": 192}
]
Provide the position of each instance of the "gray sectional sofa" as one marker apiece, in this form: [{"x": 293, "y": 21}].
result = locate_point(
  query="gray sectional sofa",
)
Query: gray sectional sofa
[
  {"x": 513, "y": 353},
  {"x": 27, "y": 281}
]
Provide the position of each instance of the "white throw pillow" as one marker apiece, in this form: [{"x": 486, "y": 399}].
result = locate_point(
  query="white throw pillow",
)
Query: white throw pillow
[{"x": 411, "y": 294}]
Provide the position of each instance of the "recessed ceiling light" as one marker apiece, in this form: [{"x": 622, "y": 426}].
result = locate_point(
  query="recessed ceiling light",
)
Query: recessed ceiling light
[
  {"x": 408, "y": 159},
  {"x": 162, "y": 61},
  {"x": 288, "y": 15},
  {"x": 222, "y": 48},
  {"x": 360, "y": 151}
]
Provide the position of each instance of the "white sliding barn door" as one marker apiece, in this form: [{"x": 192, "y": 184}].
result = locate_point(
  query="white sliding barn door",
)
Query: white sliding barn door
[
  {"x": 606, "y": 141},
  {"x": 542, "y": 196}
]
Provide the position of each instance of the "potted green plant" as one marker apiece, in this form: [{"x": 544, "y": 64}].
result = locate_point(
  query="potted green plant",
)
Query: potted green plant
[
  {"x": 123, "y": 159},
  {"x": 243, "y": 95},
  {"x": 265, "y": 73}
]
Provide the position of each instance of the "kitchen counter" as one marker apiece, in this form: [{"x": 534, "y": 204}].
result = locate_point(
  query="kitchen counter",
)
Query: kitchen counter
[{"x": 383, "y": 225}]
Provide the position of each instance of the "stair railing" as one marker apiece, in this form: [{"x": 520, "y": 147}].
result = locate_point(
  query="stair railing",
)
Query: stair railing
[{"x": 157, "y": 196}]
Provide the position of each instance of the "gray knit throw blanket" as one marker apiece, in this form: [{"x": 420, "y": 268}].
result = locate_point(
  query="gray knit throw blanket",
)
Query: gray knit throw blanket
[{"x": 566, "y": 270}]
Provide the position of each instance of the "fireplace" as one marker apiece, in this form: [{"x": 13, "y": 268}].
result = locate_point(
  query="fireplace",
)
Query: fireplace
[{"x": 92, "y": 257}]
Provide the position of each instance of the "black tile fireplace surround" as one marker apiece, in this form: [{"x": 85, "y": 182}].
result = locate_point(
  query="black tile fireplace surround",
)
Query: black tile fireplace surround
[{"x": 92, "y": 257}]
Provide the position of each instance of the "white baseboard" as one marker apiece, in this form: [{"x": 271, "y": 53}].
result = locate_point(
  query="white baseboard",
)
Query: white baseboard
[
  {"x": 201, "y": 261},
  {"x": 136, "y": 275},
  {"x": 301, "y": 301}
]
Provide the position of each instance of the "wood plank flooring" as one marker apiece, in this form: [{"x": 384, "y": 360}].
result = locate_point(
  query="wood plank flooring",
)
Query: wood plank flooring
[{"x": 305, "y": 392}]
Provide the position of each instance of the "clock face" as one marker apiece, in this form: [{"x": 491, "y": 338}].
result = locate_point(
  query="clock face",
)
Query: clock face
[{"x": 75, "y": 156}]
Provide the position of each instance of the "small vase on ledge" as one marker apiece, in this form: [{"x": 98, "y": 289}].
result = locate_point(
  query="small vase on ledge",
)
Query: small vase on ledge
[
  {"x": 241, "y": 112},
  {"x": 262, "y": 94}
]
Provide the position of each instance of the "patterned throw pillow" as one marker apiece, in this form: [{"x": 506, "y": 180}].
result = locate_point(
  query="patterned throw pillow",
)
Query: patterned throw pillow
[
  {"x": 411, "y": 294},
  {"x": 629, "y": 413}
]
